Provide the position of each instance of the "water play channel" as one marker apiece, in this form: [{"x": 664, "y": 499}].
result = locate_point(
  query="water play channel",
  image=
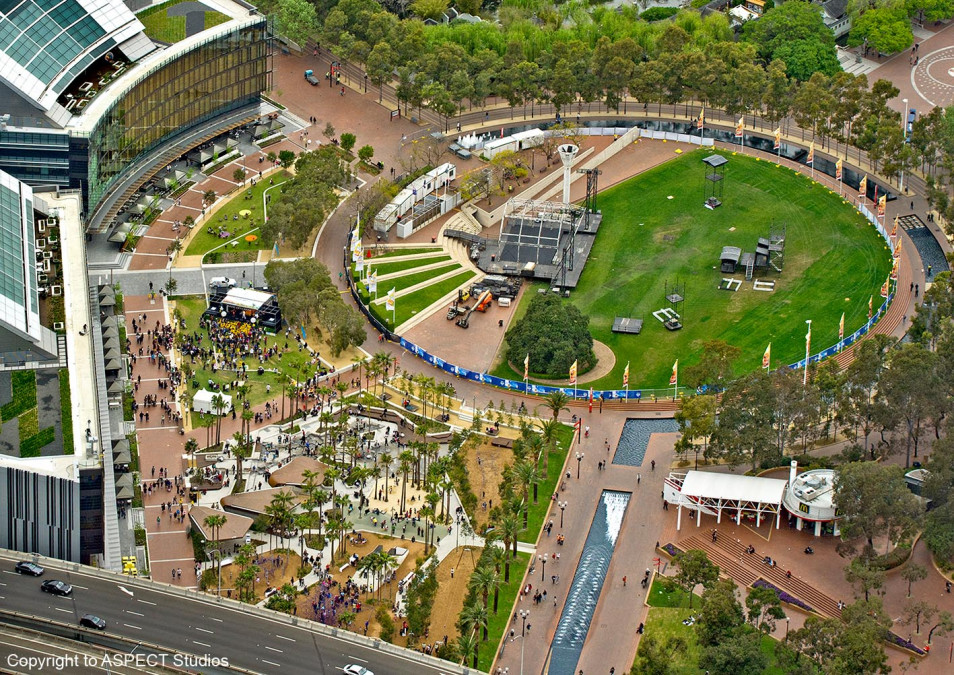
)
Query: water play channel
[{"x": 587, "y": 583}]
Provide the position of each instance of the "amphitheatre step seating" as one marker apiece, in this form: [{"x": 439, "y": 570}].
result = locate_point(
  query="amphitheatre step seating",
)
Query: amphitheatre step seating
[
  {"x": 411, "y": 256},
  {"x": 414, "y": 270},
  {"x": 763, "y": 285},
  {"x": 821, "y": 602},
  {"x": 424, "y": 284},
  {"x": 440, "y": 304}
]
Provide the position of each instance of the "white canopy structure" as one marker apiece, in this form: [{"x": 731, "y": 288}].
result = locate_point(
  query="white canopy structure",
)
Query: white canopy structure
[
  {"x": 204, "y": 402},
  {"x": 713, "y": 493}
]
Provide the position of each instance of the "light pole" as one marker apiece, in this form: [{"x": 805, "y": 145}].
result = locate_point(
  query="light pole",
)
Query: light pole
[
  {"x": 808, "y": 351},
  {"x": 522, "y": 643},
  {"x": 579, "y": 462},
  {"x": 787, "y": 619},
  {"x": 524, "y": 613},
  {"x": 904, "y": 134},
  {"x": 543, "y": 561},
  {"x": 562, "y": 506}
]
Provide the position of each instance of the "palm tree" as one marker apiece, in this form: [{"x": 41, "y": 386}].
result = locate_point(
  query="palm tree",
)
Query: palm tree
[
  {"x": 332, "y": 474},
  {"x": 406, "y": 461},
  {"x": 557, "y": 402},
  {"x": 500, "y": 559},
  {"x": 526, "y": 474},
  {"x": 548, "y": 432},
  {"x": 386, "y": 461},
  {"x": 242, "y": 451},
  {"x": 510, "y": 530},
  {"x": 476, "y": 617},
  {"x": 468, "y": 644},
  {"x": 218, "y": 405},
  {"x": 482, "y": 580},
  {"x": 215, "y": 523},
  {"x": 388, "y": 564},
  {"x": 279, "y": 512},
  {"x": 191, "y": 446}
]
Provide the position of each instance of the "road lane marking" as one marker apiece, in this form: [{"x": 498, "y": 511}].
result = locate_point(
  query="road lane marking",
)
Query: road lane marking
[
  {"x": 212, "y": 618},
  {"x": 146, "y": 602},
  {"x": 271, "y": 663},
  {"x": 204, "y": 630},
  {"x": 273, "y": 649},
  {"x": 202, "y": 644},
  {"x": 129, "y": 625},
  {"x": 126, "y": 591},
  {"x": 286, "y": 638},
  {"x": 356, "y": 658},
  {"x": 60, "y": 609},
  {"x": 129, "y": 611},
  {"x": 83, "y": 587}
]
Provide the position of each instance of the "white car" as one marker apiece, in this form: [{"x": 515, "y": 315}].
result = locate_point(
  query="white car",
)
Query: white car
[
  {"x": 221, "y": 282},
  {"x": 354, "y": 669}
]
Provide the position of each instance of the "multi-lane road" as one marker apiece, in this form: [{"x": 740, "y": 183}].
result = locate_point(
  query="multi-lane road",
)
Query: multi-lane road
[{"x": 223, "y": 634}]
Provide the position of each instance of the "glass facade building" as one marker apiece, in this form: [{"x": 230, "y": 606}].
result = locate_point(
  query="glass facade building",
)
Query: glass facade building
[
  {"x": 222, "y": 72},
  {"x": 19, "y": 306}
]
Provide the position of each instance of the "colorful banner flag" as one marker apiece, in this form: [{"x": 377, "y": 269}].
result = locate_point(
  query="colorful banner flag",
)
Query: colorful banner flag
[
  {"x": 358, "y": 252},
  {"x": 355, "y": 239},
  {"x": 863, "y": 187},
  {"x": 838, "y": 170},
  {"x": 882, "y": 205},
  {"x": 894, "y": 270},
  {"x": 389, "y": 303},
  {"x": 841, "y": 328},
  {"x": 573, "y": 373},
  {"x": 373, "y": 282},
  {"x": 526, "y": 367},
  {"x": 778, "y": 139},
  {"x": 767, "y": 356},
  {"x": 359, "y": 265},
  {"x": 740, "y": 128},
  {"x": 870, "y": 306},
  {"x": 626, "y": 375},
  {"x": 894, "y": 230},
  {"x": 675, "y": 374},
  {"x": 701, "y": 122},
  {"x": 591, "y": 394},
  {"x": 304, "y": 336},
  {"x": 886, "y": 288},
  {"x": 811, "y": 154},
  {"x": 897, "y": 248}
]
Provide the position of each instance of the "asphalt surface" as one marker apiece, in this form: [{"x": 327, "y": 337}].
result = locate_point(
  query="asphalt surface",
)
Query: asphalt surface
[
  {"x": 189, "y": 281},
  {"x": 194, "y": 626},
  {"x": 34, "y": 653}
]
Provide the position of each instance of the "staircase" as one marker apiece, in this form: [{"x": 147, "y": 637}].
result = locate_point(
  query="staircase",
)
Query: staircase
[{"x": 733, "y": 560}]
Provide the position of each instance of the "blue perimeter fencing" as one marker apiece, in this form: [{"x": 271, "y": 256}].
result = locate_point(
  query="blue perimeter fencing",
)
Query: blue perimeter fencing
[{"x": 613, "y": 394}]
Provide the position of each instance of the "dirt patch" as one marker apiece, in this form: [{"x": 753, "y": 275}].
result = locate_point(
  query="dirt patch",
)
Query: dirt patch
[
  {"x": 277, "y": 569},
  {"x": 451, "y": 592},
  {"x": 485, "y": 465},
  {"x": 605, "y": 362},
  {"x": 369, "y": 601}
]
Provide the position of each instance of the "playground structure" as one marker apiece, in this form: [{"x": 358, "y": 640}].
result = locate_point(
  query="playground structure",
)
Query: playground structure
[
  {"x": 715, "y": 180},
  {"x": 769, "y": 254}
]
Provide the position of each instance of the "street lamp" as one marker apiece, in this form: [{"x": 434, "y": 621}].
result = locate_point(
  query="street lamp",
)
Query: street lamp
[
  {"x": 524, "y": 613},
  {"x": 579, "y": 461},
  {"x": 904, "y": 134},
  {"x": 787, "y": 619},
  {"x": 520, "y": 637},
  {"x": 562, "y": 506},
  {"x": 543, "y": 561}
]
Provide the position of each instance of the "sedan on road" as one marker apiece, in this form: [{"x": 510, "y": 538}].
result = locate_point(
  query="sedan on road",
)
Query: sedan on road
[
  {"x": 93, "y": 621},
  {"x": 354, "y": 669},
  {"x": 31, "y": 568},
  {"x": 56, "y": 587}
]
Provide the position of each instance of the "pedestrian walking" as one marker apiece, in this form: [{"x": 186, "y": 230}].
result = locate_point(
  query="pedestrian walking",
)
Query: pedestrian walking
[
  {"x": 624, "y": 582},
  {"x": 652, "y": 465}
]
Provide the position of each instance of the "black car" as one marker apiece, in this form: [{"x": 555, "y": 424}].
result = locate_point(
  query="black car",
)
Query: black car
[
  {"x": 93, "y": 621},
  {"x": 56, "y": 587},
  {"x": 31, "y": 568}
]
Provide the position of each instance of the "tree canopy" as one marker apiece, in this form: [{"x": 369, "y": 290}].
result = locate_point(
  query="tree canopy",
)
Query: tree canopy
[
  {"x": 555, "y": 334},
  {"x": 795, "y": 33}
]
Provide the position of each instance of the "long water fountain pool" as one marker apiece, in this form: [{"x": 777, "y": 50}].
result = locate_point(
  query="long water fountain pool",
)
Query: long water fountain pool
[
  {"x": 634, "y": 440},
  {"x": 587, "y": 583}
]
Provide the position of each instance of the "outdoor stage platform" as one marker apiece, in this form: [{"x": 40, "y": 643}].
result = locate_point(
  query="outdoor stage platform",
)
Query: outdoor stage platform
[{"x": 536, "y": 241}]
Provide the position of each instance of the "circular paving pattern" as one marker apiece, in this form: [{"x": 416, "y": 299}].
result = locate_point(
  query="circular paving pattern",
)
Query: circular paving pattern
[{"x": 933, "y": 77}]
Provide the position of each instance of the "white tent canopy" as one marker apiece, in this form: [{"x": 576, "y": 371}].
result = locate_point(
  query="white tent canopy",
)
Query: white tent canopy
[
  {"x": 202, "y": 402},
  {"x": 713, "y": 493}
]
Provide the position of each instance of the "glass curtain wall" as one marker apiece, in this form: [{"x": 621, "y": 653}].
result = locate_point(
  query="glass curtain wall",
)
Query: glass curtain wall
[{"x": 223, "y": 73}]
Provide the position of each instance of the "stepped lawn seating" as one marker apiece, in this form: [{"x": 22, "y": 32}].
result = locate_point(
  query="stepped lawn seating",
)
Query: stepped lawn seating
[{"x": 731, "y": 284}]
